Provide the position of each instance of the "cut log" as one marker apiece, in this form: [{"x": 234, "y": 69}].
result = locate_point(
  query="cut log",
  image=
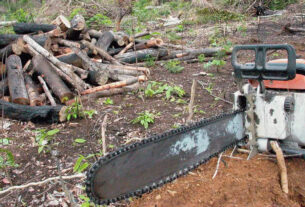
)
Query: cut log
[
  {"x": 35, "y": 99},
  {"x": 105, "y": 41},
  {"x": 126, "y": 70},
  {"x": 62, "y": 22},
  {"x": 16, "y": 83},
  {"x": 149, "y": 44},
  {"x": 59, "y": 88},
  {"x": 101, "y": 52},
  {"x": 142, "y": 55},
  {"x": 94, "y": 33},
  {"x": 26, "y": 28},
  {"x": 2, "y": 70},
  {"x": 78, "y": 24},
  {"x": 97, "y": 75},
  {"x": 35, "y": 114},
  {"x": 129, "y": 46},
  {"x": 142, "y": 34},
  {"x": 67, "y": 43},
  {"x": 71, "y": 59},
  {"x": 115, "y": 85},
  {"x": 3, "y": 87},
  {"x": 6, "y": 39},
  {"x": 47, "y": 91},
  {"x": 7, "y": 23},
  {"x": 77, "y": 82}
]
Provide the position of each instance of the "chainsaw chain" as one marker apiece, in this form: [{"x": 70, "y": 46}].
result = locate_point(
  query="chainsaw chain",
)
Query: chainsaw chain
[{"x": 144, "y": 142}]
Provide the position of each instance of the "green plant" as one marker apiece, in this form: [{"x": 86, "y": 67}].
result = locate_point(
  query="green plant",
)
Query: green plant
[
  {"x": 173, "y": 36},
  {"x": 209, "y": 88},
  {"x": 6, "y": 159},
  {"x": 5, "y": 141},
  {"x": 201, "y": 58},
  {"x": 145, "y": 118},
  {"x": 154, "y": 88},
  {"x": 108, "y": 101},
  {"x": 174, "y": 66},
  {"x": 180, "y": 28},
  {"x": 76, "y": 11},
  {"x": 81, "y": 164},
  {"x": 212, "y": 15},
  {"x": 80, "y": 141},
  {"x": 22, "y": 16},
  {"x": 99, "y": 19},
  {"x": 242, "y": 29},
  {"x": 150, "y": 61},
  {"x": 76, "y": 111},
  {"x": 280, "y": 4},
  {"x": 44, "y": 139}
]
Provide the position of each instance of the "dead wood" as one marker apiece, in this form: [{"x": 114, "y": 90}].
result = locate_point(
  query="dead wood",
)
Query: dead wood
[
  {"x": 47, "y": 91},
  {"x": 191, "y": 104},
  {"x": 7, "y": 23},
  {"x": 105, "y": 40},
  {"x": 142, "y": 55},
  {"x": 66, "y": 42},
  {"x": 129, "y": 46},
  {"x": 62, "y": 22},
  {"x": 16, "y": 83},
  {"x": 101, "y": 52},
  {"x": 59, "y": 88},
  {"x": 77, "y": 82},
  {"x": 35, "y": 99},
  {"x": 6, "y": 39},
  {"x": 281, "y": 163},
  {"x": 3, "y": 87},
  {"x": 40, "y": 114},
  {"x": 71, "y": 59},
  {"x": 142, "y": 34},
  {"x": 2, "y": 70},
  {"x": 149, "y": 44},
  {"x": 94, "y": 33},
  {"x": 27, "y": 28},
  {"x": 293, "y": 30},
  {"x": 78, "y": 24},
  {"x": 115, "y": 85}
]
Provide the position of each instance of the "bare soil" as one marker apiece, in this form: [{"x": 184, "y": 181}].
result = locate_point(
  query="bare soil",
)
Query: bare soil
[{"x": 238, "y": 183}]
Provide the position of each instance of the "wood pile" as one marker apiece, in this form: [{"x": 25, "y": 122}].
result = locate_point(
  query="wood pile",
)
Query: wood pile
[{"x": 45, "y": 66}]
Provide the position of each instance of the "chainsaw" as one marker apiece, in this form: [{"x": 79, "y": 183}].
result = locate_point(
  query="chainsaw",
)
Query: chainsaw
[{"x": 268, "y": 107}]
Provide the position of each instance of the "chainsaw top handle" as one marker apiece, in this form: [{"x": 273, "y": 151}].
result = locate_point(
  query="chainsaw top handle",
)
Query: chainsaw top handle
[{"x": 260, "y": 70}]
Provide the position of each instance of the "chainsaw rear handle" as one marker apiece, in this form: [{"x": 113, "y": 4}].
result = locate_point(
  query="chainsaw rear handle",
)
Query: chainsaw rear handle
[{"x": 260, "y": 70}]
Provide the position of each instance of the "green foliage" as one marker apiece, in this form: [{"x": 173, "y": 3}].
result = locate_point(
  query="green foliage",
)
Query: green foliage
[
  {"x": 242, "y": 29},
  {"x": 80, "y": 141},
  {"x": 76, "y": 11},
  {"x": 44, "y": 139},
  {"x": 5, "y": 141},
  {"x": 174, "y": 66},
  {"x": 99, "y": 19},
  {"x": 212, "y": 15},
  {"x": 201, "y": 58},
  {"x": 76, "y": 111},
  {"x": 81, "y": 164},
  {"x": 7, "y": 159},
  {"x": 108, "y": 101},
  {"x": 280, "y": 4},
  {"x": 173, "y": 36},
  {"x": 180, "y": 28},
  {"x": 145, "y": 118},
  {"x": 154, "y": 88},
  {"x": 22, "y": 16},
  {"x": 150, "y": 61}
]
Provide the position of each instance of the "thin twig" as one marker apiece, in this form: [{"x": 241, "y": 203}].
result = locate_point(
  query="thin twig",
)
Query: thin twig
[
  {"x": 217, "y": 166},
  {"x": 104, "y": 124},
  {"x": 19, "y": 187},
  {"x": 191, "y": 104}
]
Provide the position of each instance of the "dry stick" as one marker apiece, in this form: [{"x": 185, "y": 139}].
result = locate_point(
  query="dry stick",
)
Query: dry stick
[
  {"x": 101, "y": 52},
  {"x": 115, "y": 85},
  {"x": 20, "y": 187},
  {"x": 77, "y": 82},
  {"x": 46, "y": 90},
  {"x": 67, "y": 43},
  {"x": 217, "y": 97},
  {"x": 7, "y": 23},
  {"x": 281, "y": 163},
  {"x": 104, "y": 125},
  {"x": 217, "y": 166},
  {"x": 129, "y": 46},
  {"x": 191, "y": 104}
]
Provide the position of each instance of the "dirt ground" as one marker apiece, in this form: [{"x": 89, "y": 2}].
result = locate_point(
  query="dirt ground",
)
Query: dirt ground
[{"x": 238, "y": 183}]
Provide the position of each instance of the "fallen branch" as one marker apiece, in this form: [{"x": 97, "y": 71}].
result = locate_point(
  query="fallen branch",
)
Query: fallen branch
[
  {"x": 103, "y": 132},
  {"x": 47, "y": 91},
  {"x": 20, "y": 187},
  {"x": 118, "y": 84},
  {"x": 217, "y": 166},
  {"x": 129, "y": 46},
  {"x": 281, "y": 163},
  {"x": 7, "y": 23}
]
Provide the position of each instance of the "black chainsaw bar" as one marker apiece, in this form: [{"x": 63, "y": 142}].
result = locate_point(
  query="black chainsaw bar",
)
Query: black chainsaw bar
[{"x": 140, "y": 167}]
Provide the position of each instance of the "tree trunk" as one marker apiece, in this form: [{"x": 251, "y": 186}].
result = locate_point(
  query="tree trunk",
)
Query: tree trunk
[
  {"x": 3, "y": 87},
  {"x": 16, "y": 83},
  {"x": 105, "y": 41},
  {"x": 26, "y": 28},
  {"x": 35, "y": 99},
  {"x": 78, "y": 24},
  {"x": 142, "y": 55},
  {"x": 36, "y": 114},
  {"x": 71, "y": 59},
  {"x": 59, "y": 88}
]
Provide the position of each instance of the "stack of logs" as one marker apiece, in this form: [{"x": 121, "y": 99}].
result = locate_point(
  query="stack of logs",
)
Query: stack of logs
[{"x": 44, "y": 66}]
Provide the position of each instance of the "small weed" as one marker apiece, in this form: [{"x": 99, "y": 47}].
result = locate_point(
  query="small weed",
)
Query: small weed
[
  {"x": 81, "y": 164},
  {"x": 180, "y": 28},
  {"x": 5, "y": 141},
  {"x": 201, "y": 58},
  {"x": 208, "y": 15},
  {"x": 145, "y": 118},
  {"x": 215, "y": 62},
  {"x": 108, "y": 101},
  {"x": 44, "y": 139},
  {"x": 80, "y": 141},
  {"x": 209, "y": 88},
  {"x": 150, "y": 61},
  {"x": 22, "y": 16},
  {"x": 174, "y": 66},
  {"x": 177, "y": 115},
  {"x": 155, "y": 88},
  {"x": 6, "y": 159},
  {"x": 173, "y": 36},
  {"x": 99, "y": 20},
  {"x": 175, "y": 126},
  {"x": 76, "y": 111},
  {"x": 76, "y": 11}
]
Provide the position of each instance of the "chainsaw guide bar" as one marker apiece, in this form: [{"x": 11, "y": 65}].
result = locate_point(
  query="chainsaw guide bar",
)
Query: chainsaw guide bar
[{"x": 143, "y": 166}]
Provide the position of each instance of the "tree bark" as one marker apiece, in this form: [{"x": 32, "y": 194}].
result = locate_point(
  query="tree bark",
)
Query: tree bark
[
  {"x": 2, "y": 70},
  {"x": 59, "y": 88},
  {"x": 36, "y": 114},
  {"x": 78, "y": 24},
  {"x": 94, "y": 33},
  {"x": 71, "y": 59},
  {"x": 16, "y": 83},
  {"x": 6, "y": 39},
  {"x": 142, "y": 55},
  {"x": 47, "y": 91},
  {"x": 26, "y": 28},
  {"x": 35, "y": 99},
  {"x": 149, "y": 44},
  {"x": 3, "y": 87},
  {"x": 105, "y": 41},
  {"x": 77, "y": 82}
]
